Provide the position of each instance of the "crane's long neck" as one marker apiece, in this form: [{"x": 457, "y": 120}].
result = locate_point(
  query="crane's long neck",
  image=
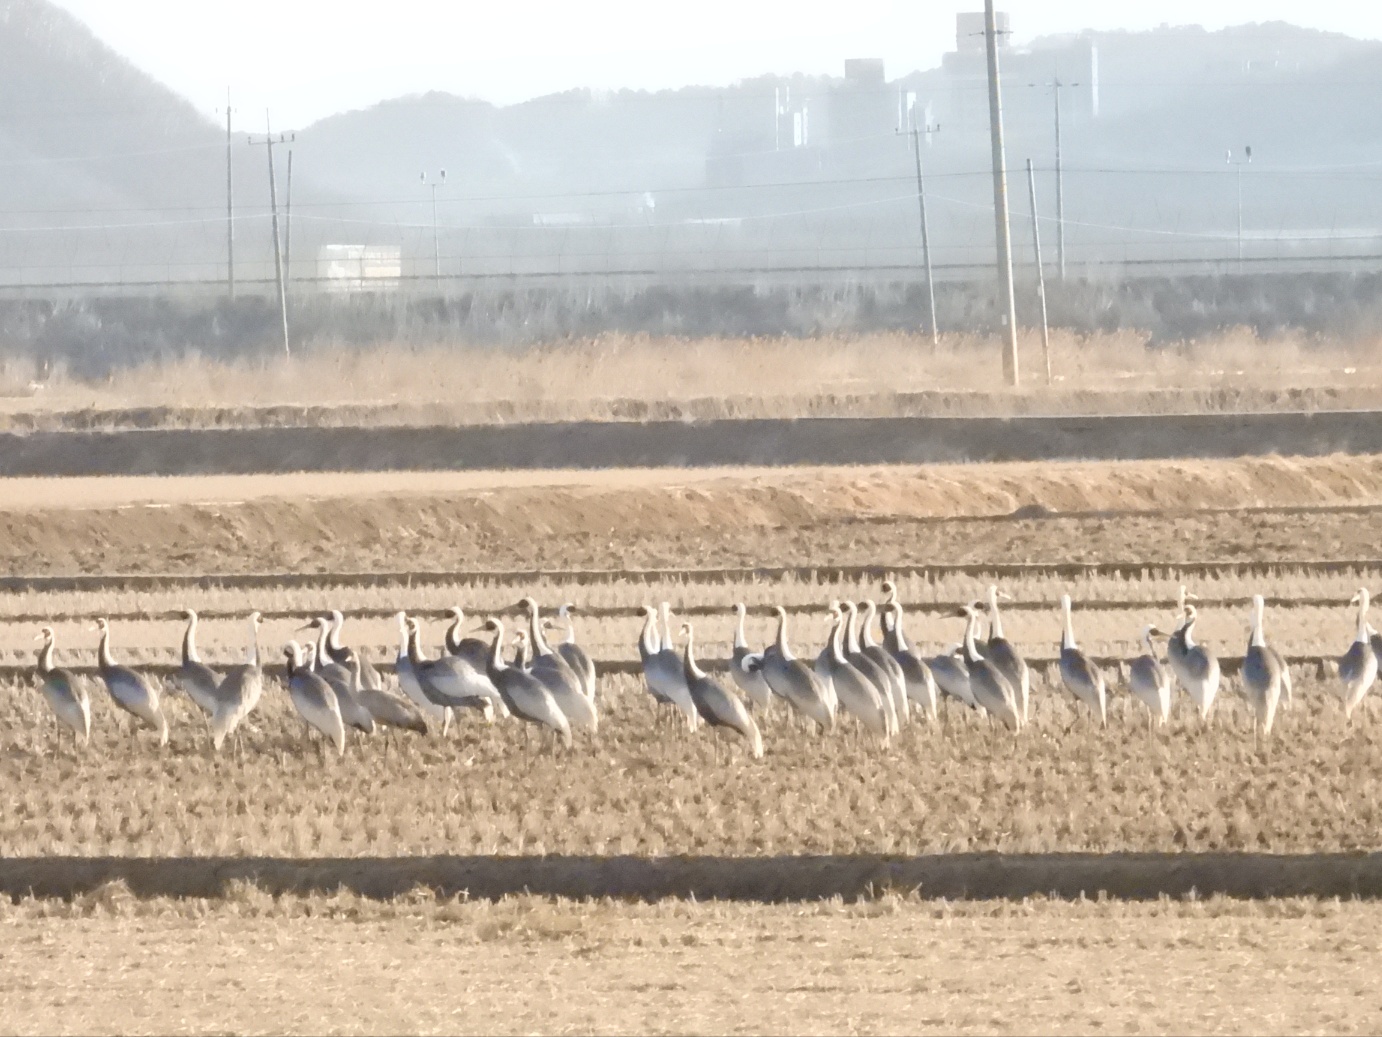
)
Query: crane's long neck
[
  {"x": 740, "y": 641},
  {"x": 1187, "y": 632},
  {"x": 1068, "y": 636},
  {"x": 333, "y": 638},
  {"x": 254, "y": 642},
  {"x": 782, "y": 648},
  {"x": 1258, "y": 639},
  {"x": 103, "y": 651},
  {"x": 899, "y": 634},
  {"x": 689, "y": 658},
  {"x": 852, "y": 633},
  {"x": 570, "y": 627},
  {"x": 647, "y": 641},
  {"x": 323, "y": 635},
  {"x": 866, "y": 625},
  {"x": 995, "y": 624},
  {"x": 1362, "y": 616},
  {"x": 536, "y": 638},
  {"x": 414, "y": 649},
  {"x": 667, "y": 641},
  {"x": 1147, "y": 640},
  {"x": 971, "y": 629},
  {"x": 45, "y": 656},
  {"x": 189, "y": 641},
  {"x": 496, "y": 655},
  {"x": 837, "y": 639}
]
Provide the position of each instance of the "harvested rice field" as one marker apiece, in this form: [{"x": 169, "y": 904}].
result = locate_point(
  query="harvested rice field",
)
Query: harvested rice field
[{"x": 824, "y": 862}]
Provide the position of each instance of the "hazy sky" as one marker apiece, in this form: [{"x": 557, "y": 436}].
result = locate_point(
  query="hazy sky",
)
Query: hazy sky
[{"x": 309, "y": 58}]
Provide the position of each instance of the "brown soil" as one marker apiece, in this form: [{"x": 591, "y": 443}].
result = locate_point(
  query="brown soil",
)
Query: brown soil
[
  {"x": 677, "y": 518},
  {"x": 337, "y": 965}
]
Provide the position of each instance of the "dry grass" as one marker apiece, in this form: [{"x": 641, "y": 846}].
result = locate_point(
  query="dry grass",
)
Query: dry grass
[
  {"x": 1064, "y": 785},
  {"x": 341, "y": 964},
  {"x": 771, "y": 377}
]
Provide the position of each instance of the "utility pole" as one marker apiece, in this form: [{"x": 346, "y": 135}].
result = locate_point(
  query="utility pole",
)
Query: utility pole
[
  {"x": 1240, "y": 163},
  {"x": 1055, "y": 84},
  {"x": 916, "y": 132},
  {"x": 1041, "y": 274},
  {"x": 269, "y": 141},
  {"x": 436, "y": 235},
  {"x": 1006, "y": 302},
  {"x": 1060, "y": 199},
  {"x": 288, "y": 226},
  {"x": 230, "y": 209}
]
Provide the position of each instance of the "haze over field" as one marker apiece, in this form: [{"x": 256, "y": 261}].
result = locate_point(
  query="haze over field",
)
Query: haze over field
[{"x": 733, "y": 139}]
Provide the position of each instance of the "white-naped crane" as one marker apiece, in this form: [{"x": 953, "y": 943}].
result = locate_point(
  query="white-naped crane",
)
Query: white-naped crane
[
  {"x": 792, "y": 680},
  {"x": 1001, "y": 652},
  {"x": 239, "y": 691},
  {"x": 1081, "y": 677},
  {"x": 1195, "y": 665},
  {"x": 855, "y": 693},
  {"x": 345, "y": 679},
  {"x": 663, "y": 672},
  {"x": 1261, "y": 674},
  {"x": 132, "y": 691},
  {"x": 193, "y": 676},
  {"x": 314, "y": 699},
  {"x": 1149, "y": 681},
  {"x": 576, "y": 657},
  {"x": 921, "y": 682},
  {"x": 440, "y": 716},
  {"x": 991, "y": 690},
  {"x": 716, "y": 706},
  {"x": 388, "y": 709},
  {"x": 560, "y": 679},
  {"x": 474, "y": 650},
  {"x": 951, "y": 669},
  {"x": 1358, "y": 665},
  {"x": 874, "y": 673},
  {"x": 892, "y": 669},
  {"x": 65, "y": 694},
  {"x": 750, "y": 681},
  {"x": 526, "y": 697},
  {"x": 449, "y": 681},
  {"x": 323, "y": 661},
  {"x": 370, "y": 678}
]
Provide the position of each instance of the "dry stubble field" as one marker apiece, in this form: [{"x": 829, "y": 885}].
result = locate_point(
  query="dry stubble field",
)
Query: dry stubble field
[
  {"x": 638, "y": 791},
  {"x": 343, "y": 964}
]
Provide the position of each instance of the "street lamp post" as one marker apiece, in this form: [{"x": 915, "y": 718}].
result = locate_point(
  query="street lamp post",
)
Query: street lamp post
[
  {"x": 436, "y": 236},
  {"x": 1239, "y": 163}
]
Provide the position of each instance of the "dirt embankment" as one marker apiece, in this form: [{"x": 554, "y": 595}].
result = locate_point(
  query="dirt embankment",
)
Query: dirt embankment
[
  {"x": 25, "y": 416},
  {"x": 621, "y": 519}
]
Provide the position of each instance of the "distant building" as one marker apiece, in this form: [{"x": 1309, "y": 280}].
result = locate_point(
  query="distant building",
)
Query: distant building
[
  {"x": 1074, "y": 60},
  {"x": 359, "y": 268}
]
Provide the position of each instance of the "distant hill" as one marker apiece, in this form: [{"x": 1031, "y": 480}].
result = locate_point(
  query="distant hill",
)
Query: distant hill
[
  {"x": 82, "y": 127},
  {"x": 109, "y": 175}
]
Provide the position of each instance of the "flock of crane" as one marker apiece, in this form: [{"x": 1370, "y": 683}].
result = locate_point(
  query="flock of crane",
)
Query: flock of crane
[{"x": 879, "y": 685}]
